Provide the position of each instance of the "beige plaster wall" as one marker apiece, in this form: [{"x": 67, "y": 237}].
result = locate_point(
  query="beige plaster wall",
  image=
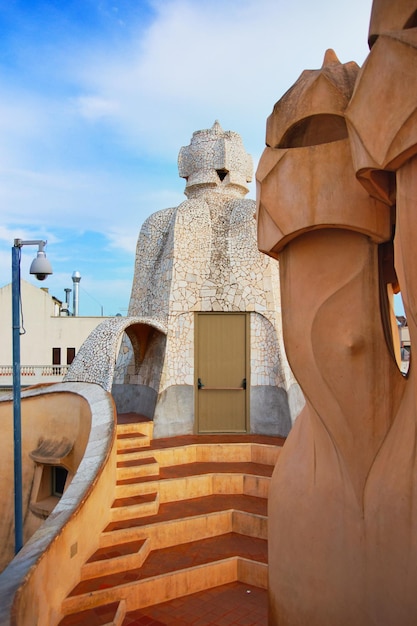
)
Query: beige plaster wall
[
  {"x": 61, "y": 545},
  {"x": 52, "y": 417}
]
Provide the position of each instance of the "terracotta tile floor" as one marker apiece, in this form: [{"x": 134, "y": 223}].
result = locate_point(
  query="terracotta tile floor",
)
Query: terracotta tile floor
[
  {"x": 196, "y": 506},
  {"x": 131, "y": 418},
  {"x": 235, "y": 604},
  {"x": 186, "y": 440},
  {"x": 181, "y": 556},
  {"x": 113, "y": 552},
  {"x": 92, "y": 617},
  {"x": 234, "y": 467},
  {"x": 181, "y": 440}
]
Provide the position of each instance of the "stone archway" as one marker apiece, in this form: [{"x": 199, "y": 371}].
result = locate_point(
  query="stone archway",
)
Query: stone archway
[{"x": 96, "y": 359}]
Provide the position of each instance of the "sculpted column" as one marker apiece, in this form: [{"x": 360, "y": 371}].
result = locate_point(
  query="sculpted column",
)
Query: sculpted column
[
  {"x": 382, "y": 122},
  {"x": 331, "y": 239}
]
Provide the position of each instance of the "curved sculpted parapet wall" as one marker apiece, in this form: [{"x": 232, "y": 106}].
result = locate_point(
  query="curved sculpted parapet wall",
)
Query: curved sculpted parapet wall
[{"x": 62, "y": 543}]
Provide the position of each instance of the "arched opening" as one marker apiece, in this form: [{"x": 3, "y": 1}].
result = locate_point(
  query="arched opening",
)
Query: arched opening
[
  {"x": 138, "y": 370},
  {"x": 315, "y": 130}
]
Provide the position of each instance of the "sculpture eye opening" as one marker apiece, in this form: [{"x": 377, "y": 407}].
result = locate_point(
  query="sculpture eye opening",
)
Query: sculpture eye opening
[
  {"x": 404, "y": 337},
  {"x": 222, "y": 174},
  {"x": 397, "y": 335},
  {"x": 411, "y": 22},
  {"x": 315, "y": 130}
]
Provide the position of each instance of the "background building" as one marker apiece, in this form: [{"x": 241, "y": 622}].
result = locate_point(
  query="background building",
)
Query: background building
[{"x": 50, "y": 338}]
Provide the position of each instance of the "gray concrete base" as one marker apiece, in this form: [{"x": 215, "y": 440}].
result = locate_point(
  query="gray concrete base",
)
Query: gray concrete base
[
  {"x": 269, "y": 411},
  {"x": 174, "y": 412},
  {"x": 296, "y": 401},
  {"x": 272, "y": 410},
  {"x": 134, "y": 399}
]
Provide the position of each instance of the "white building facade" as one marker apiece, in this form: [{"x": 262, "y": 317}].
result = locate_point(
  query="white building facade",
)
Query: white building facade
[{"x": 49, "y": 340}]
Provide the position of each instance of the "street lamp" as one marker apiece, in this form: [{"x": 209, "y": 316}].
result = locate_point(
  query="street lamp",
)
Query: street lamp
[{"x": 41, "y": 268}]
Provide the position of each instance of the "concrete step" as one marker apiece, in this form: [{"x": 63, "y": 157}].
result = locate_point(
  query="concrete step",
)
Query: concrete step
[
  {"x": 130, "y": 454},
  {"x": 107, "y": 615},
  {"x": 177, "y": 571},
  {"x": 137, "y": 468},
  {"x": 234, "y": 477},
  {"x": 120, "y": 557},
  {"x": 129, "y": 507},
  {"x": 190, "y": 520},
  {"x": 186, "y": 517},
  {"x": 189, "y": 483},
  {"x": 129, "y": 442},
  {"x": 131, "y": 487},
  {"x": 137, "y": 427},
  {"x": 214, "y": 453}
]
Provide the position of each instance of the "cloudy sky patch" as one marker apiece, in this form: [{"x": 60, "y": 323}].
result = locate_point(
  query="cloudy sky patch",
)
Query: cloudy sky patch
[{"x": 98, "y": 97}]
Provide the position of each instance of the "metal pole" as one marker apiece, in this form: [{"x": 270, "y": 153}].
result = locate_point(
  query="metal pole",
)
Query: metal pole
[
  {"x": 17, "y": 420},
  {"x": 76, "y": 277}
]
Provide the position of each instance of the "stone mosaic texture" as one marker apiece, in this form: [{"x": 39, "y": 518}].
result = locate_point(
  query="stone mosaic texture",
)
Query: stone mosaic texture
[
  {"x": 203, "y": 256},
  {"x": 96, "y": 360},
  {"x": 200, "y": 256}
]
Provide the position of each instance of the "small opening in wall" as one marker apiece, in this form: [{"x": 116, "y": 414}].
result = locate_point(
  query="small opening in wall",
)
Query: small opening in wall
[
  {"x": 58, "y": 477},
  {"x": 70, "y": 355},
  {"x": 404, "y": 334},
  {"x": 56, "y": 356},
  {"x": 48, "y": 488},
  {"x": 222, "y": 174}
]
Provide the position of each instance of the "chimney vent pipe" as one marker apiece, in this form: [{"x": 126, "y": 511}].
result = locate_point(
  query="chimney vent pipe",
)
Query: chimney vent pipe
[{"x": 76, "y": 277}]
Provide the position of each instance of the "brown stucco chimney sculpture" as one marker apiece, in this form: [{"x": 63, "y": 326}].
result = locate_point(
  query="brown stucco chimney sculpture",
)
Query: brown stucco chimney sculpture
[{"x": 342, "y": 504}]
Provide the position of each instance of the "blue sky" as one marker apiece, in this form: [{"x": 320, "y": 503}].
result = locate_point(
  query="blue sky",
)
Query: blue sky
[{"x": 98, "y": 96}]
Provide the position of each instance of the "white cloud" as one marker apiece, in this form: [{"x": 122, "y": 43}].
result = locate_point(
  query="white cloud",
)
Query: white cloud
[
  {"x": 93, "y": 107},
  {"x": 92, "y": 200},
  {"x": 195, "y": 63},
  {"x": 92, "y": 143},
  {"x": 227, "y": 60}
]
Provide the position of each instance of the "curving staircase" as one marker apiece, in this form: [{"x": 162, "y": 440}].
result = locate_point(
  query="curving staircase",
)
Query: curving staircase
[{"x": 190, "y": 514}]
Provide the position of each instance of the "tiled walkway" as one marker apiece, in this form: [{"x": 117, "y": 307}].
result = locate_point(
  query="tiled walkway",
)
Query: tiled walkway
[
  {"x": 180, "y": 440},
  {"x": 191, "y": 554},
  {"x": 235, "y": 604}
]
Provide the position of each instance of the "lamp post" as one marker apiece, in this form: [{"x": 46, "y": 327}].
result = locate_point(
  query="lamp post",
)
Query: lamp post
[{"x": 41, "y": 268}]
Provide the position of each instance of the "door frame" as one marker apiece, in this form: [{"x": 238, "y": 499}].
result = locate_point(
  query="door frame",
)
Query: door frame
[{"x": 197, "y": 314}]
